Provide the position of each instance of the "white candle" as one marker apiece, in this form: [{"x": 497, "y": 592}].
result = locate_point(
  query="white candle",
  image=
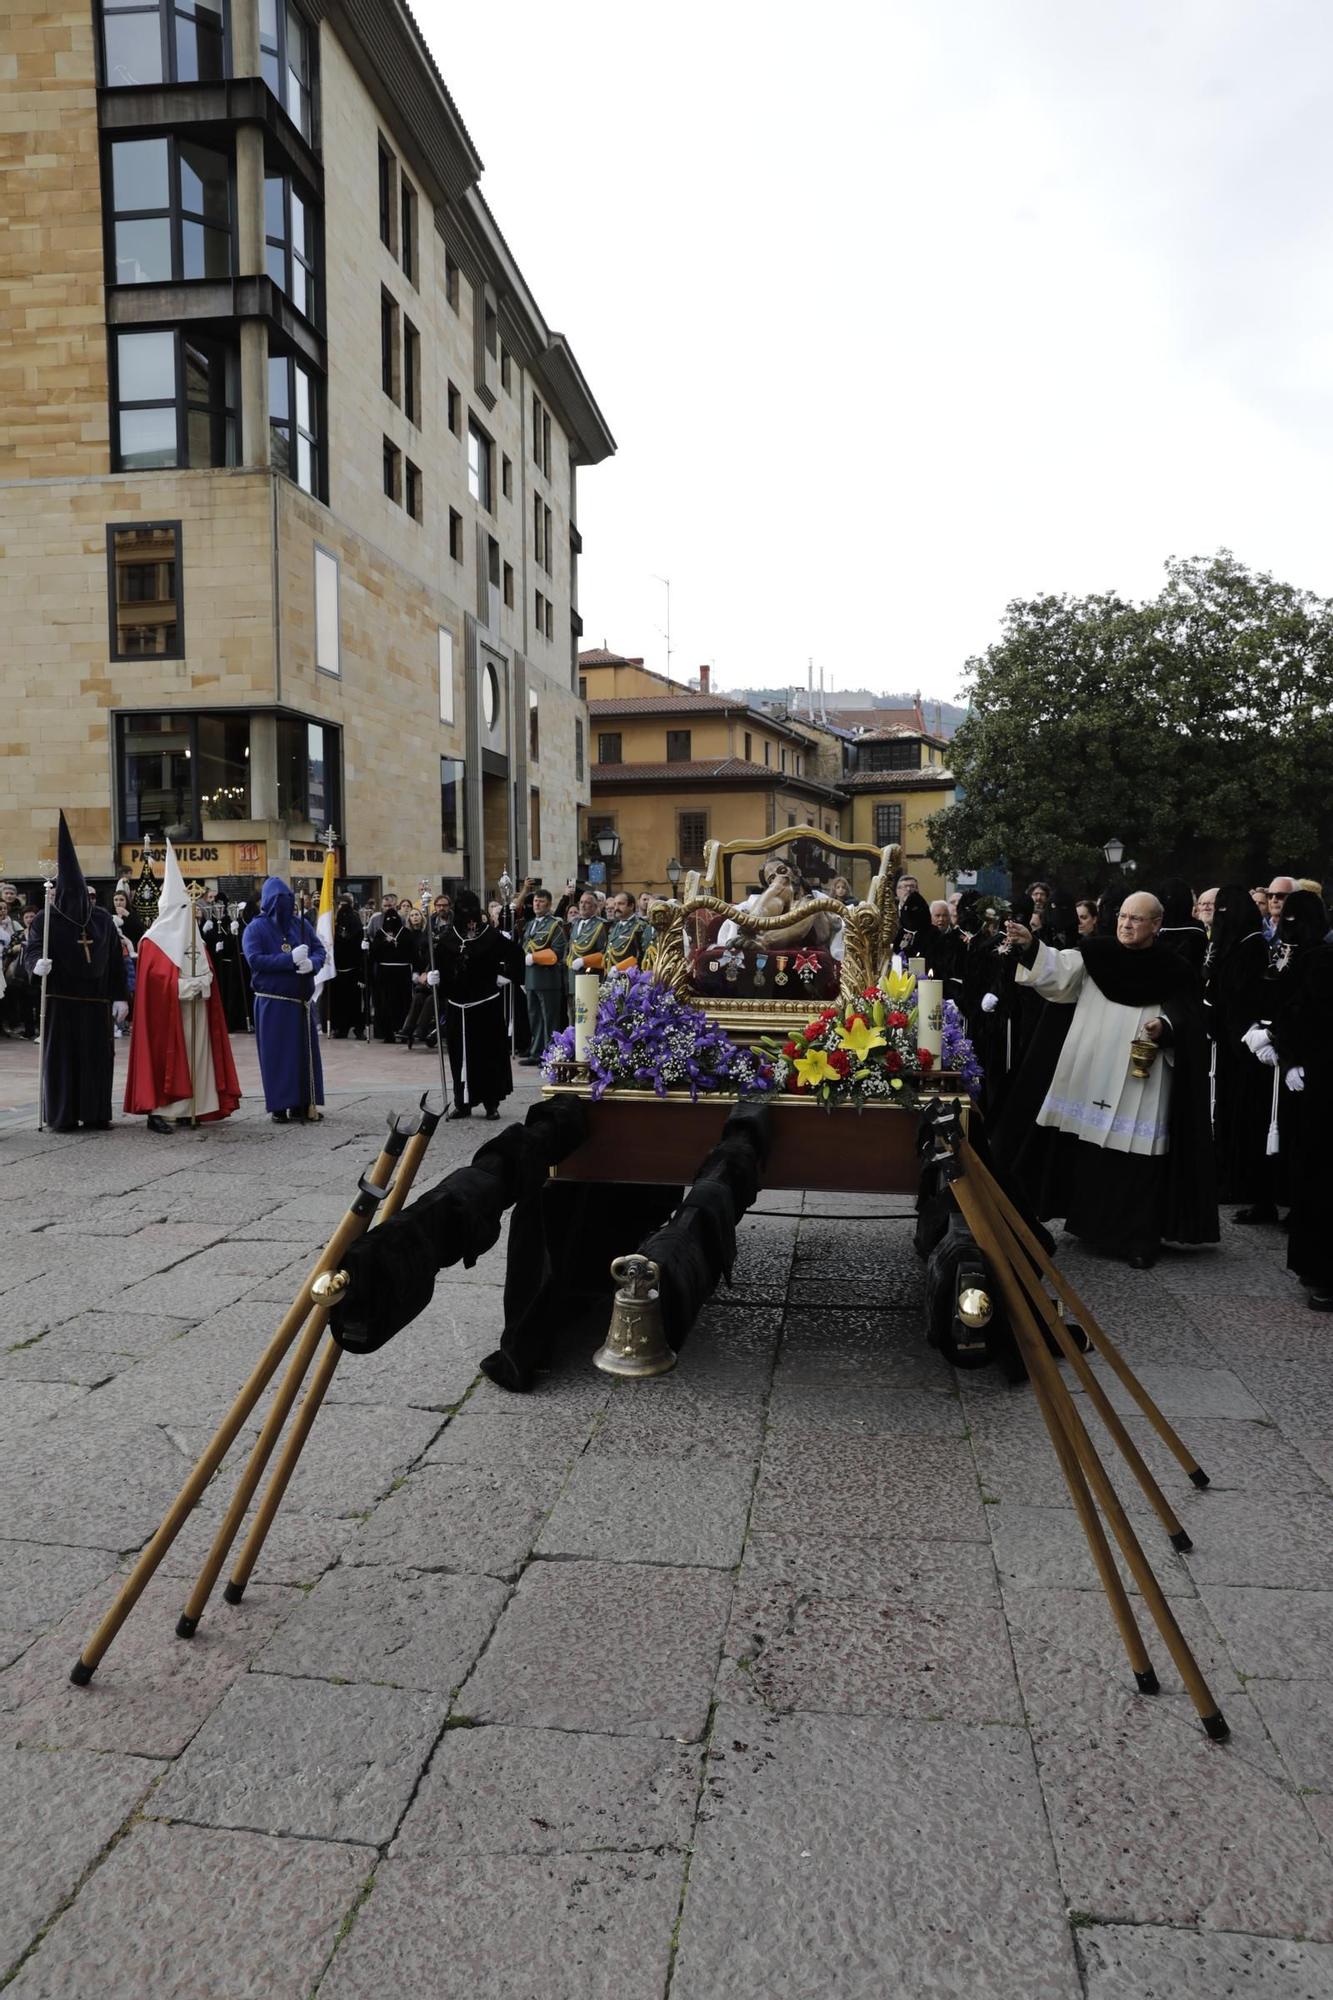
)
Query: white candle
[
  {"x": 930, "y": 1016},
  {"x": 917, "y": 968},
  {"x": 587, "y": 987}
]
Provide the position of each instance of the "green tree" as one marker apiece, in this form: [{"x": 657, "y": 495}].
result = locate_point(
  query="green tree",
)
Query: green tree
[{"x": 1198, "y": 727}]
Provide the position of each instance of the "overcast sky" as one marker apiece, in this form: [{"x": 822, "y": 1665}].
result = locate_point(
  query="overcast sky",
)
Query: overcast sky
[{"x": 900, "y": 310}]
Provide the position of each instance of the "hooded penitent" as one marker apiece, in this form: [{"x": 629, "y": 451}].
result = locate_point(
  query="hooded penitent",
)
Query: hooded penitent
[
  {"x": 180, "y": 1054},
  {"x": 87, "y": 975},
  {"x": 285, "y": 1026}
]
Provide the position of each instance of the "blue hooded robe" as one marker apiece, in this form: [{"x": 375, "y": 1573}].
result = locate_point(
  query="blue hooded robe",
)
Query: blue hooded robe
[{"x": 286, "y": 1030}]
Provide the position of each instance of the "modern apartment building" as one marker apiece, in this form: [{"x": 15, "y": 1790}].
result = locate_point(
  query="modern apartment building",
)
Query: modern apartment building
[{"x": 288, "y": 457}]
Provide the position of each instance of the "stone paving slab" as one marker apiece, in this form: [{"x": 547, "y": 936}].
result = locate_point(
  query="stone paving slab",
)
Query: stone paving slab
[
  {"x": 39, "y": 1581},
  {"x": 604, "y": 1647},
  {"x": 89, "y": 1349},
  {"x": 1039, "y": 1548},
  {"x": 1281, "y": 1540},
  {"x": 876, "y": 1486},
  {"x": 395, "y": 1628},
  {"x": 1285, "y": 1634},
  {"x": 460, "y": 1518},
  {"x": 836, "y": 1854},
  {"x": 660, "y": 1510},
  {"x": 59, "y": 1813},
  {"x": 545, "y": 1791},
  {"x": 484, "y": 1438},
  {"x": 289, "y": 1756},
  {"x": 184, "y": 1913},
  {"x": 1122, "y": 1963},
  {"x": 90, "y": 1484},
  {"x": 567, "y": 1927}
]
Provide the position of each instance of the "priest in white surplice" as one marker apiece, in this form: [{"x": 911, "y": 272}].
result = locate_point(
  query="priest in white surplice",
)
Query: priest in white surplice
[{"x": 1125, "y": 1158}]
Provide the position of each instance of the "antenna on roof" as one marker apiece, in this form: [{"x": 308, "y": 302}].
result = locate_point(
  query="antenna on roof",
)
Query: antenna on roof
[{"x": 666, "y": 580}]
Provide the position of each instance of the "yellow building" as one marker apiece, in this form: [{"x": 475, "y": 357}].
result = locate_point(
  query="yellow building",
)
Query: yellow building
[
  {"x": 894, "y": 779},
  {"x": 673, "y": 768},
  {"x": 288, "y": 522}
]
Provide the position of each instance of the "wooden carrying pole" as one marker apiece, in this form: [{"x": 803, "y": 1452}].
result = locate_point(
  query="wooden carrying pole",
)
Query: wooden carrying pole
[
  {"x": 322, "y": 1304},
  {"x": 372, "y": 1191},
  {"x": 1004, "y": 1257}
]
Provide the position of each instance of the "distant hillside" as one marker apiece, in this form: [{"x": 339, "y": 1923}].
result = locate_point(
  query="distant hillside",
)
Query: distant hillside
[{"x": 949, "y": 713}]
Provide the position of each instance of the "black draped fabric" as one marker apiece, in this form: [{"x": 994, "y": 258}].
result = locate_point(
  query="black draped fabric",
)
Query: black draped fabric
[
  {"x": 346, "y": 990},
  {"x": 390, "y": 974},
  {"x": 471, "y": 967},
  {"x": 87, "y": 975},
  {"x": 1189, "y": 939},
  {"x": 1303, "y": 1037},
  {"x": 1128, "y": 1201},
  {"x": 1240, "y": 993}
]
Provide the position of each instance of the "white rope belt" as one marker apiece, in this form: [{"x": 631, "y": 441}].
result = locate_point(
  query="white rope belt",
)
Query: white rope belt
[{"x": 464, "y": 1007}]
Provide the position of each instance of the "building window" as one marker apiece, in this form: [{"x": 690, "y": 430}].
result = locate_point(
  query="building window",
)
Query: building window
[
  {"x": 293, "y": 422},
  {"x": 143, "y": 581},
  {"x": 479, "y": 450},
  {"x": 452, "y": 288},
  {"x": 583, "y": 687},
  {"x": 550, "y": 619},
  {"x": 289, "y": 243},
  {"x": 393, "y": 472},
  {"x": 388, "y": 174},
  {"x": 509, "y": 585},
  {"x": 506, "y": 477},
  {"x": 171, "y": 211},
  {"x": 678, "y": 746},
  {"x": 446, "y": 647},
  {"x": 782, "y": 759},
  {"x": 389, "y": 345},
  {"x": 747, "y": 746},
  {"x": 537, "y": 529},
  {"x": 156, "y": 773},
  {"x": 328, "y": 654},
  {"x": 899, "y": 756},
  {"x": 492, "y": 562},
  {"x": 155, "y": 43},
  {"x": 691, "y": 833},
  {"x": 176, "y": 400},
  {"x": 541, "y": 436},
  {"x": 412, "y": 490},
  {"x": 455, "y": 402},
  {"x": 768, "y": 752},
  {"x": 888, "y": 825},
  {"x": 407, "y": 235},
  {"x": 452, "y": 804},
  {"x": 222, "y": 767},
  {"x": 455, "y": 535},
  {"x": 548, "y": 547},
  {"x": 534, "y": 730},
  {"x": 608, "y": 747},
  {"x": 578, "y": 749},
  {"x": 506, "y": 372},
  {"x": 791, "y": 819},
  {"x": 411, "y": 373},
  {"x": 307, "y": 773},
  {"x": 285, "y": 59},
  {"x": 539, "y": 613},
  {"x": 534, "y": 824}
]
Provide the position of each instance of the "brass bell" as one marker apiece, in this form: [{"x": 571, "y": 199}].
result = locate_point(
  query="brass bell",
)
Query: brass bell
[{"x": 635, "y": 1344}]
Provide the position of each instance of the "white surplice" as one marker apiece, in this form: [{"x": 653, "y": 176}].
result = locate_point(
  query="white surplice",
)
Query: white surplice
[{"x": 1092, "y": 1093}]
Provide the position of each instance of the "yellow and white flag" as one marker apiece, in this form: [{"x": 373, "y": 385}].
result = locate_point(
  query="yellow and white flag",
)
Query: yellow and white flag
[{"x": 324, "y": 921}]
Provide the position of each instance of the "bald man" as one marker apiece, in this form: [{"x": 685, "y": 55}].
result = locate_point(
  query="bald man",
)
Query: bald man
[{"x": 1126, "y": 1160}]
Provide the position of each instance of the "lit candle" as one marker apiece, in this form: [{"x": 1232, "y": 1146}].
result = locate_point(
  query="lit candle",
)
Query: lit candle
[
  {"x": 587, "y": 986},
  {"x": 930, "y": 1016},
  {"x": 917, "y": 968}
]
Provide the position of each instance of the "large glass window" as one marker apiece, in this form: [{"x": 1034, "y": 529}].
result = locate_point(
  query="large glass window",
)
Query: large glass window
[
  {"x": 157, "y": 776},
  {"x": 888, "y": 824},
  {"x": 479, "y": 465},
  {"x": 452, "y": 804},
  {"x": 171, "y": 211},
  {"x": 143, "y": 564},
  {"x": 290, "y": 247},
  {"x": 294, "y": 424},
  {"x": 222, "y": 756},
  {"x": 177, "y": 396},
  {"x": 307, "y": 772},
  {"x": 285, "y": 57},
  {"x": 145, "y": 42}
]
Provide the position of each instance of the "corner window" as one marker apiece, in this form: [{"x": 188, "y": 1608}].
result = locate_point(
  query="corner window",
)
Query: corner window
[
  {"x": 393, "y": 472},
  {"x": 678, "y": 746},
  {"x": 411, "y": 373},
  {"x": 294, "y": 422},
  {"x": 143, "y": 580},
  {"x": 184, "y": 42},
  {"x": 389, "y": 346},
  {"x": 285, "y": 59},
  {"x": 176, "y": 400},
  {"x": 170, "y": 211},
  {"x": 452, "y": 804},
  {"x": 479, "y": 465},
  {"x": 307, "y": 773},
  {"x": 290, "y": 243},
  {"x": 412, "y": 489}
]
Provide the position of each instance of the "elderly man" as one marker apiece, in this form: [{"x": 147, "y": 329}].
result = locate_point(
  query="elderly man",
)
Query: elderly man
[
  {"x": 1279, "y": 889},
  {"x": 1120, "y": 1143}
]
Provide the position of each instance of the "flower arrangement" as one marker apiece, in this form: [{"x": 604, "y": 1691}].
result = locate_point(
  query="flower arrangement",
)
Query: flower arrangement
[
  {"x": 644, "y": 1038},
  {"x": 867, "y": 1051}
]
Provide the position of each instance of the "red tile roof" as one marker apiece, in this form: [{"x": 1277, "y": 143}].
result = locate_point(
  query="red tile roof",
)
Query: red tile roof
[
  {"x": 878, "y": 718},
  {"x": 706, "y": 771},
  {"x": 660, "y": 704},
  {"x": 598, "y": 656},
  {"x": 933, "y": 778}
]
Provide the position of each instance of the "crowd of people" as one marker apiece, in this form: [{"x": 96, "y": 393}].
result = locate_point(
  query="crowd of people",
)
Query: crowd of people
[{"x": 1231, "y": 987}]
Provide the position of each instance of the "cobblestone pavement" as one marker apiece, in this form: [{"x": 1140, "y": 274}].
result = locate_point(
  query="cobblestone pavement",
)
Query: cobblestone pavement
[{"x": 785, "y": 1675}]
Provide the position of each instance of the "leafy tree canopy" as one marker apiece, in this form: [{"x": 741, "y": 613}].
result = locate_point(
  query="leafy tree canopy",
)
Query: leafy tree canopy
[{"x": 1197, "y": 727}]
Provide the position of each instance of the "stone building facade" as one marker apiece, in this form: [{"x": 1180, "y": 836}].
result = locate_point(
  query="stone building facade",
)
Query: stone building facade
[{"x": 288, "y": 465}]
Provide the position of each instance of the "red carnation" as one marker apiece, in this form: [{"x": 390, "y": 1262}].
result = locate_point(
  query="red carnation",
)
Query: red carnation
[
  {"x": 814, "y": 1030},
  {"x": 789, "y": 1050},
  {"x": 856, "y": 1020},
  {"x": 841, "y": 1061},
  {"x": 925, "y": 1058},
  {"x": 893, "y": 1061},
  {"x": 897, "y": 1019}
]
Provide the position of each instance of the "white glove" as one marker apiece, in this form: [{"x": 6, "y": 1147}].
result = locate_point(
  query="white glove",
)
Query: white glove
[
  {"x": 577, "y": 965},
  {"x": 235, "y": 928},
  {"x": 432, "y": 977},
  {"x": 365, "y": 944},
  {"x": 43, "y": 966},
  {"x": 1295, "y": 1077},
  {"x": 118, "y": 921},
  {"x": 1256, "y": 1039},
  {"x": 527, "y": 958},
  {"x": 989, "y": 1002},
  {"x": 1267, "y": 1055},
  {"x": 301, "y": 958},
  {"x": 208, "y": 926},
  {"x": 196, "y": 986},
  {"x": 120, "y": 1012}
]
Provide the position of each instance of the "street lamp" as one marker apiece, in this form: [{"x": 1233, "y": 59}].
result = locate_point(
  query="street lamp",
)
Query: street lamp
[
  {"x": 1114, "y": 851},
  {"x": 607, "y": 843},
  {"x": 674, "y": 871}
]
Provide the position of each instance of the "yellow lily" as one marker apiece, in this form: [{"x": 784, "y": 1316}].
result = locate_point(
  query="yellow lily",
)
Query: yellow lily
[
  {"x": 861, "y": 1039},
  {"x": 815, "y": 1068},
  {"x": 898, "y": 985}
]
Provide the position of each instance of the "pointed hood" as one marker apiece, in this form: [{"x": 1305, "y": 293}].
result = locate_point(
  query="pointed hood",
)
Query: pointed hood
[
  {"x": 277, "y": 902},
  {"x": 71, "y": 898},
  {"x": 171, "y": 930}
]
